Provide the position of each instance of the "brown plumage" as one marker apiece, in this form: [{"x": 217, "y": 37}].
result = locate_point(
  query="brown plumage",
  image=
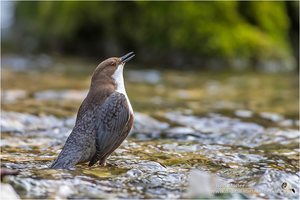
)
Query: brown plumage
[{"x": 104, "y": 118}]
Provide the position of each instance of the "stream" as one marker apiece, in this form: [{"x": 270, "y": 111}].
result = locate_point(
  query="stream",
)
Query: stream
[{"x": 196, "y": 135}]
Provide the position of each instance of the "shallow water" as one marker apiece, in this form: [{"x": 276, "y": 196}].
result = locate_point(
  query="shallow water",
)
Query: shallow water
[{"x": 237, "y": 133}]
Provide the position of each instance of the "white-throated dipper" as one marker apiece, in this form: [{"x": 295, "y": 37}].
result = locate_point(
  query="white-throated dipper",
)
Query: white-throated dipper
[{"x": 104, "y": 118}]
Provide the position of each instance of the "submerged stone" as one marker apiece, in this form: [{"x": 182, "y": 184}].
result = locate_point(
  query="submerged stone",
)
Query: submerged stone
[
  {"x": 278, "y": 184},
  {"x": 244, "y": 113},
  {"x": 272, "y": 116},
  {"x": 147, "y": 127}
]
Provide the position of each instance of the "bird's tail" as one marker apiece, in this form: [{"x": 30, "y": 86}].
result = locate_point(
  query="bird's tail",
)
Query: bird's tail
[
  {"x": 64, "y": 162},
  {"x": 61, "y": 164}
]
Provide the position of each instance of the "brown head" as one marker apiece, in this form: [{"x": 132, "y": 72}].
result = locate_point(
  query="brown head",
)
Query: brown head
[{"x": 108, "y": 72}]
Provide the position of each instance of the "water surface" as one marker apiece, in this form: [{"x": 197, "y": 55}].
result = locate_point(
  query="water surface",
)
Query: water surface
[{"x": 197, "y": 127}]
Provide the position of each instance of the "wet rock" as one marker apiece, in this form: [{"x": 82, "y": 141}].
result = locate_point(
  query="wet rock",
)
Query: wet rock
[
  {"x": 165, "y": 179},
  {"x": 64, "y": 192},
  {"x": 148, "y": 166},
  {"x": 8, "y": 192},
  {"x": 290, "y": 133},
  {"x": 244, "y": 113},
  {"x": 21, "y": 122},
  {"x": 272, "y": 116},
  {"x": 278, "y": 184},
  {"x": 77, "y": 95},
  {"x": 221, "y": 130},
  {"x": 239, "y": 158},
  {"x": 42, "y": 188},
  {"x": 181, "y": 148},
  {"x": 147, "y": 127},
  {"x": 155, "y": 181},
  {"x": 144, "y": 76},
  {"x": 11, "y": 96},
  {"x": 9, "y": 123},
  {"x": 283, "y": 137},
  {"x": 217, "y": 129},
  {"x": 179, "y": 131},
  {"x": 286, "y": 123},
  {"x": 134, "y": 173}
]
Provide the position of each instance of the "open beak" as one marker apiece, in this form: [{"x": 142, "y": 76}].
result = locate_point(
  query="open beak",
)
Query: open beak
[{"x": 127, "y": 57}]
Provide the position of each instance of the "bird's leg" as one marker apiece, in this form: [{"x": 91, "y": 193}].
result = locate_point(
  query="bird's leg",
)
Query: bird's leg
[
  {"x": 102, "y": 164},
  {"x": 102, "y": 161}
]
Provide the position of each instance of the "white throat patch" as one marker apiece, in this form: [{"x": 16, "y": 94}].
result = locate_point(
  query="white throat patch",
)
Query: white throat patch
[{"x": 119, "y": 80}]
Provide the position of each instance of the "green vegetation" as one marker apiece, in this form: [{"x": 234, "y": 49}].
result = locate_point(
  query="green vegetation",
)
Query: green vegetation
[{"x": 237, "y": 34}]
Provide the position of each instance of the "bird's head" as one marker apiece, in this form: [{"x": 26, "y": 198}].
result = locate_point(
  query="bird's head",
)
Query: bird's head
[{"x": 112, "y": 68}]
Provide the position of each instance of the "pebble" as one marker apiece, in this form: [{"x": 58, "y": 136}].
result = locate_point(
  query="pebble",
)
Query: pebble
[
  {"x": 12, "y": 96},
  {"x": 244, "y": 113},
  {"x": 272, "y": 116}
]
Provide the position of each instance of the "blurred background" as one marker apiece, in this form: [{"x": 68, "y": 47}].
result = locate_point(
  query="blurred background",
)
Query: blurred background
[
  {"x": 199, "y": 56},
  {"x": 178, "y": 34}
]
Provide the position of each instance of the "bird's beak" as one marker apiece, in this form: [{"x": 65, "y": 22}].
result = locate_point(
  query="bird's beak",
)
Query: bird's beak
[{"x": 127, "y": 57}]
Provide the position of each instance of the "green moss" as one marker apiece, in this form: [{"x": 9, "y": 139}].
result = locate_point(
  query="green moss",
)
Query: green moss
[{"x": 252, "y": 31}]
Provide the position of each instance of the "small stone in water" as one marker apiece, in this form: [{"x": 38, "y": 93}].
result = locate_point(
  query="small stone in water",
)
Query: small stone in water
[
  {"x": 286, "y": 123},
  {"x": 64, "y": 191},
  {"x": 134, "y": 173},
  {"x": 8, "y": 192},
  {"x": 244, "y": 113},
  {"x": 146, "y": 76},
  {"x": 11, "y": 96},
  {"x": 272, "y": 116}
]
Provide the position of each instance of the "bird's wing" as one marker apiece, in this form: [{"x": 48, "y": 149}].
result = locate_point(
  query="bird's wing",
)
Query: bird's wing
[{"x": 113, "y": 117}]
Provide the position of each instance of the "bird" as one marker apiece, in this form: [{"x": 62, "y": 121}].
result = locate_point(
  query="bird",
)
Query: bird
[{"x": 104, "y": 118}]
